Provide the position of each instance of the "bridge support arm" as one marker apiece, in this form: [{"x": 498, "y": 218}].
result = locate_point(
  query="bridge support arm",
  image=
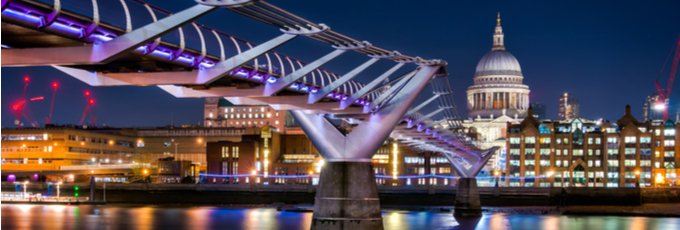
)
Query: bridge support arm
[
  {"x": 367, "y": 88},
  {"x": 315, "y": 97},
  {"x": 282, "y": 83}
]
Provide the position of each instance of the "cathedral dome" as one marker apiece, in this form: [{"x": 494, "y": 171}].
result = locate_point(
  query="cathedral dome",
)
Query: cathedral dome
[{"x": 498, "y": 62}]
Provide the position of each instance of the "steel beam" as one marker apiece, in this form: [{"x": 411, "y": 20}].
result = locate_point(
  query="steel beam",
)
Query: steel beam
[
  {"x": 356, "y": 147},
  {"x": 419, "y": 107},
  {"x": 223, "y": 68},
  {"x": 367, "y": 88},
  {"x": 425, "y": 117},
  {"x": 315, "y": 97},
  {"x": 102, "y": 52},
  {"x": 284, "y": 82}
]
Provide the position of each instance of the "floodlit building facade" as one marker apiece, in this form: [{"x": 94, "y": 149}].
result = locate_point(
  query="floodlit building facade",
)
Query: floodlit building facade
[
  {"x": 222, "y": 113},
  {"x": 584, "y": 153}
]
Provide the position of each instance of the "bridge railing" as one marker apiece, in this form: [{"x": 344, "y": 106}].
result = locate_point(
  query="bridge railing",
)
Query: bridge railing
[{"x": 181, "y": 46}]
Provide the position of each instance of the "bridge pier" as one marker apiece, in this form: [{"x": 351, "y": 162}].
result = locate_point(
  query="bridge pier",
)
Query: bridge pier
[
  {"x": 467, "y": 199},
  {"x": 347, "y": 197}
]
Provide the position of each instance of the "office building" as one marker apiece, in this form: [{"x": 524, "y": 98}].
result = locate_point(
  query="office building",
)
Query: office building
[
  {"x": 568, "y": 107},
  {"x": 579, "y": 152},
  {"x": 539, "y": 110},
  {"x": 652, "y": 108}
]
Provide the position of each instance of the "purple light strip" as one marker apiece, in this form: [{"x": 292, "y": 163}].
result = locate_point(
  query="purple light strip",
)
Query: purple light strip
[{"x": 258, "y": 175}]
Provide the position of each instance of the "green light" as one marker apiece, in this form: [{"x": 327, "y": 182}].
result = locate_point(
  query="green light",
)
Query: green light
[
  {"x": 76, "y": 195},
  {"x": 76, "y": 188}
]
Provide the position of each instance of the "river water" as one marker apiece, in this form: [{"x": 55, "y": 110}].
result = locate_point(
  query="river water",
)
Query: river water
[{"x": 190, "y": 217}]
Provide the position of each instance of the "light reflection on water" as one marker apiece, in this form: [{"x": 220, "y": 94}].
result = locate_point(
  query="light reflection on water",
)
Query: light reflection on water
[{"x": 187, "y": 217}]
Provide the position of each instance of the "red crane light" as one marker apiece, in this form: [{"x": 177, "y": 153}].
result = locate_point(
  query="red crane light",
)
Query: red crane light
[
  {"x": 55, "y": 85},
  {"x": 91, "y": 101},
  {"x": 87, "y": 93},
  {"x": 26, "y": 79}
]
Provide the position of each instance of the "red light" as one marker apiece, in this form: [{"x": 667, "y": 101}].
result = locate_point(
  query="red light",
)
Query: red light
[
  {"x": 91, "y": 101},
  {"x": 87, "y": 93},
  {"x": 55, "y": 85},
  {"x": 26, "y": 79}
]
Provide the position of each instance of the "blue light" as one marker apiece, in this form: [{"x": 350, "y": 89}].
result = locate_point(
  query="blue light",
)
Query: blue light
[{"x": 271, "y": 80}]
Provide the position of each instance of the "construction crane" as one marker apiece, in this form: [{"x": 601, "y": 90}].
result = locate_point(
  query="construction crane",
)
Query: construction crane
[
  {"x": 662, "y": 103},
  {"x": 90, "y": 101},
  {"x": 48, "y": 120}
]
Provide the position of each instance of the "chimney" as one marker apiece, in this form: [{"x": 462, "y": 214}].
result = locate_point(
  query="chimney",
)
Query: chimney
[{"x": 627, "y": 110}]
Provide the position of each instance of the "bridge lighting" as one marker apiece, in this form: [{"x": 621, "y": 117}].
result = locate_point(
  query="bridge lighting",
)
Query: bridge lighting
[{"x": 271, "y": 80}]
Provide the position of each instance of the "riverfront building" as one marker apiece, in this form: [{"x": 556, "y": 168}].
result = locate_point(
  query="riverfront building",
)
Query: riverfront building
[
  {"x": 584, "y": 153},
  {"x": 222, "y": 113},
  {"x": 270, "y": 153},
  {"x": 652, "y": 108}
]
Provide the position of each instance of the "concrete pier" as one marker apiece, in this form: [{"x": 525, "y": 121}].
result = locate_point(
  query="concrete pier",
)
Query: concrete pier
[
  {"x": 347, "y": 197},
  {"x": 468, "y": 203}
]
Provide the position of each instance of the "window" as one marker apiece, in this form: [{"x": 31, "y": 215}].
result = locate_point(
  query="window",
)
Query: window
[
  {"x": 590, "y": 152},
  {"x": 612, "y": 174},
  {"x": 629, "y": 163},
  {"x": 234, "y": 169},
  {"x": 611, "y": 130},
  {"x": 444, "y": 170},
  {"x": 565, "y": 163},
  {"x": 629, "y": 151},
  {"x": 647, "y": 163},
  {"x": 597, "y": 152},
  {"x": 630, "y": 139},
  {"x": 529, "y": 151},
  {"x": 530, "y": 140},
  {"x": 597, "y": 163},
  {"x": 234, "y": 152},
  {"x": 668, "y": 143},
  {"x": 590, "y": 163},
  {"x": 558, "y": 163},
  {"x": 578, "y": 152},
  {"x": 598, "y": 141},
  {"x": 669, "y": 132},
  {"x": 612, "y": 151},
  {"x": 514, "y": 140},
  {"x": 566, "y": 141},
  {"x": 225, "y": 168},
  {"x": 657, "y": 154},
  {"x": 566, "y": 152},
  {"x": 613, "y": 163},
  {"x": 590, "y": 140},
  {"x": 612, "y": 140},
  {"x": 545, "y": 152},
  {"x": 645, "y": 140},
  {"x": 657, "y": 132},
  {"x": 529, "y": 174},
  {"x": 629, "y": 175},
  {"x": 514, "y": 162},
  {"x": 545, "y": 140},
  {"x": 414, "y": 160},
  {"x": 558, "y": 152},
  {"x": 529, "y": 162},
  {"x": 225, "y": 151},
  {"x": 514, "y": 151},
  {"x": 669, "y": 153},
  {"x": 558, "y": 141},
  {"x": 658, "y": 143},
  {"x": 544, "y": 162}
]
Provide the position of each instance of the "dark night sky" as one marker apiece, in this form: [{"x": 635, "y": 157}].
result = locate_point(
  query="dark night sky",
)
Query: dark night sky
[{"x": 607, "y": 54}]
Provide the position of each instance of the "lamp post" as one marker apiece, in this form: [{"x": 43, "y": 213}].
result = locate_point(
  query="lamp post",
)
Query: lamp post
[
  {"x": 550, "y": 176},
  {"x": 497, "y": 174},
  {"x": 58, "y": 185},
  {"x": 637, "y": 178}
]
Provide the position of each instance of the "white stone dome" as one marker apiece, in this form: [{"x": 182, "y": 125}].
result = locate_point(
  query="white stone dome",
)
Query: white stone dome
[{"x": 498, "y": 62}]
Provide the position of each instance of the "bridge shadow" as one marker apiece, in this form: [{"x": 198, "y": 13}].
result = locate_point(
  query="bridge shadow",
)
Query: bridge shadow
[{"x": 466, "y": 223}]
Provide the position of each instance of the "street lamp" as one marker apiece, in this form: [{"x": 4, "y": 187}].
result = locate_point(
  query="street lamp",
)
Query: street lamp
[
  {"x": 58, "y": 184},
  {"x": 637, "y": 178},
  {"x": 497, "y": 173},
  {"x": 552, "y": 179}
]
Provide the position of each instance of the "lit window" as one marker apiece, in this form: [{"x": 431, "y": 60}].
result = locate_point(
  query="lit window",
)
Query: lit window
[
  {"x": 276, "y": 122},
  {"x": 530, "y": 140}
]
